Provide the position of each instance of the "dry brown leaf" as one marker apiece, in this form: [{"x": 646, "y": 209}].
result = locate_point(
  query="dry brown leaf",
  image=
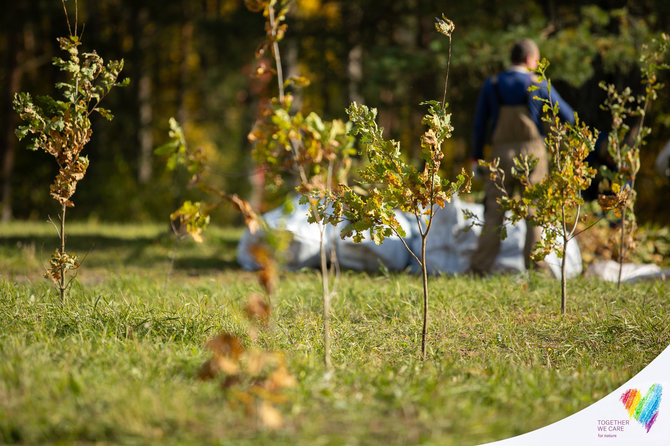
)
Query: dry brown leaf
[
  {"x": 280, "y": 378},
  {"x": 268, "y": 279},
  {"x": 208, "y": 370},
  {"x": 227, "y": 365},
  {"x": 608, "y": 202},
  {"x": 257, "y": 362},
  {"x": 251, "y": 219},
  {"x": 257, "y": 309},
  {"x": 270, "y": 416},
  {"x": 246, "y": 398},
  {"x": 226, "y": 345},
  {"x": 229, "y": 381},
  {"x": 429, "y": 138},
  {"x": 267, "y": 275}
]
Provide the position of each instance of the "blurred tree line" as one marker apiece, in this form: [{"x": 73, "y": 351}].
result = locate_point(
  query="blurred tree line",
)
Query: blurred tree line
[{"x": 194, "y": 60}]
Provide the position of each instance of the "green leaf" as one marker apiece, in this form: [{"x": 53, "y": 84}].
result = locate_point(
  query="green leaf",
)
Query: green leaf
[
  {"x": 167, "y": 148},
  {"x": 105, "y": 113},
  {"x": 22, "y": 132}
]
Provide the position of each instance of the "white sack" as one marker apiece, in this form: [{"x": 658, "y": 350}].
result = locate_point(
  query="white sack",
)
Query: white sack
[
  {"x": 304, "y": 248},
  {"x": 450, "y": 244},
  {"x": 368, "y": 256},
  {"x": 609, "y": 270},
  {"x": 449, "y": 247}
]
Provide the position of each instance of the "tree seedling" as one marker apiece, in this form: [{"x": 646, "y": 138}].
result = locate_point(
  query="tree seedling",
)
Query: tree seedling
[
  {"x": 62, "y": 128},
  {"x": 389, "y": 183}
]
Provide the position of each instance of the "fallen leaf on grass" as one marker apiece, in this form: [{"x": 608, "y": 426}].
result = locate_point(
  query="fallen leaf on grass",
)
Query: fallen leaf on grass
[
  {"x": 227, "y": 365},
  {"x": 208, "y": 370},
  {"x": 257, "y": 362},
  {"x": 268, "y": 272},
  {"x": 227, "y": 350},
  {"x": 270, "y": 416},
  {"x": 280, "y": 378},
  {"x": 257, "y": 309},
  {"x": 226, "y": 345}
]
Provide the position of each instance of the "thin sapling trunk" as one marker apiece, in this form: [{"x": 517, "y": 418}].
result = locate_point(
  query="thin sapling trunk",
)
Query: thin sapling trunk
[
  {"x": 62, "y": 128},
  {"x": 391, "y": 183}
]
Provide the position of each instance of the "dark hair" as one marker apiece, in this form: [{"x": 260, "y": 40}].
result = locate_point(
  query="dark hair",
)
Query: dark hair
[{"x": 522, "y": 49}]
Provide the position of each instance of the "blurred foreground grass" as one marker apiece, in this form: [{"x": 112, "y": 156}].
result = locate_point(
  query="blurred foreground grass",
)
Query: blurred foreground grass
[{"x": 117, "y": 363}]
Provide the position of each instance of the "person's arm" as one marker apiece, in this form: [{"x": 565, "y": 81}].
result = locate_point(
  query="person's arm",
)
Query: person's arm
[
  {"x": 482, "y": 116},
  {"x": 565, "y": 112}
]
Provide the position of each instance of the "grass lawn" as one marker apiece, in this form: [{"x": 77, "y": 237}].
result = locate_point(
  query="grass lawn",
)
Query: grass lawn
[{"x": 118, "y": 362}]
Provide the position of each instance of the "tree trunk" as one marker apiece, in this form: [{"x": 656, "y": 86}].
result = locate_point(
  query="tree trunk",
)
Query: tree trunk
[
  {"x": 144, "y": 95},
  {"x": 184, "y": 50},
  {"x": 424, "y": 271},
  {"x": 355, "y": 73},
  {"x": 563, "y": 278},
  {"x": 565, "y": 251},
  {"x": 186, "y": 37},
  {"x": 622, "y": 246},
  {"x": 145, "y": 136},
  {"x": 8, "y": 150},
  {"x": 326, "y": 299},
  {"x": 292, "y": 69},
  {"x": 61, "y": 284}
]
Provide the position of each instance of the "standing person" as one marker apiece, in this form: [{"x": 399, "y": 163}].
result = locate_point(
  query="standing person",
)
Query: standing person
[{"x": 507, "y": 108}]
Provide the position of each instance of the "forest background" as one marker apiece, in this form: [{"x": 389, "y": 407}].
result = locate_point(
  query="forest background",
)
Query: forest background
[{"x": 194, "y": 60}]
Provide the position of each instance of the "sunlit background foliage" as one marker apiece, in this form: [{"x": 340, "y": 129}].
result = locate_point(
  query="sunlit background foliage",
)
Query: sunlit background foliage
[{"x": 193, "y": 60}]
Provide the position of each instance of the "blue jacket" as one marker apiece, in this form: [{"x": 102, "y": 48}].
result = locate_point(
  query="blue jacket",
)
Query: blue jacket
[{"x": 512, "y": 86}]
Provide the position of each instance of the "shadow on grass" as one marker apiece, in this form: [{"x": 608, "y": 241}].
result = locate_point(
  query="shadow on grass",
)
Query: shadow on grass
[
  {"x": 205, "y": 263},
  {"x": 143, "y": 252}
]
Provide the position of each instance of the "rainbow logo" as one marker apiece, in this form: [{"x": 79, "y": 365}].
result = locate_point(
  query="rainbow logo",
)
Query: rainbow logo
[{"x": 643, "y": 408}]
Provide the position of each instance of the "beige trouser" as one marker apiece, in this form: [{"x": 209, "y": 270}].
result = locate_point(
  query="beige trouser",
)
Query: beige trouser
[{"x": 506, "y": 149}]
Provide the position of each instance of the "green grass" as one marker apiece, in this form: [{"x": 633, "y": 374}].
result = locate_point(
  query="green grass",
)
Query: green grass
[{"x": 117, "y": 363}]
